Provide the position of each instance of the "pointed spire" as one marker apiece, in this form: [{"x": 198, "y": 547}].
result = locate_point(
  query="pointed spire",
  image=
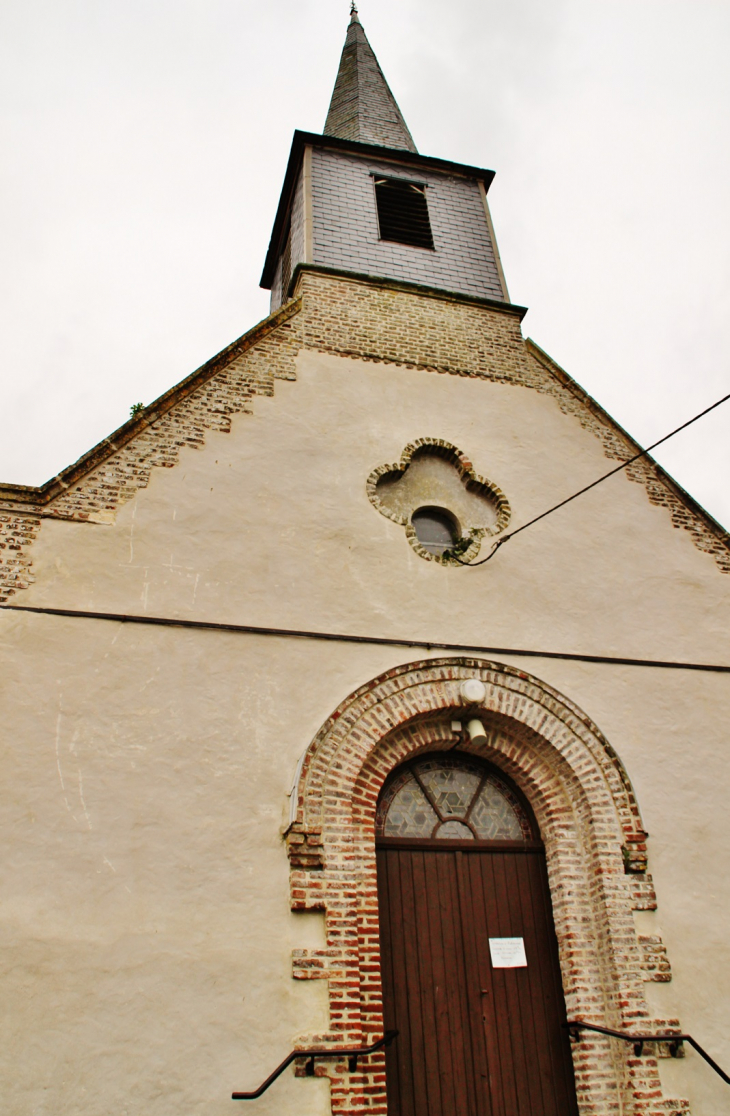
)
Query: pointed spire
[{"x": 362, "y": 106}]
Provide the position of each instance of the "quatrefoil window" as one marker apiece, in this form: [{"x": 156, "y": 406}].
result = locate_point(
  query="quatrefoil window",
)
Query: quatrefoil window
[{"x": 434, "y": 493}]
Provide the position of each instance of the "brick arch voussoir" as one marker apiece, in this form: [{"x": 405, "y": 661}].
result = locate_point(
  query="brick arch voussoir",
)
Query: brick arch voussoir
[
  {"x": 575, "y": 841},
  {"x": 428, "y": 688},
  {"x": 587, "y": 813}
]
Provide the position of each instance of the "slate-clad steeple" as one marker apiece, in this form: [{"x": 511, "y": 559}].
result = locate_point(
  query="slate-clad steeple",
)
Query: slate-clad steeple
[
  {"x": 359, "y": 199},
  {"x": 362, "y": 106}
]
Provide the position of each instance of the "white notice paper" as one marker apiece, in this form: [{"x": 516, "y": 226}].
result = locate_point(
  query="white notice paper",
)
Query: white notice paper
[{"x": 508, "y": 953}]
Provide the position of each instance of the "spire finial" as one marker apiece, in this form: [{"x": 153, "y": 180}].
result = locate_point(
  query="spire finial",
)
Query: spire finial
[{"x": 353, "y": 13}]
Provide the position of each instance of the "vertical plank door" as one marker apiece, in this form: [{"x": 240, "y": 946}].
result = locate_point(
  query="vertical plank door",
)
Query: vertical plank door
[{"x": 474, "y": 1040}]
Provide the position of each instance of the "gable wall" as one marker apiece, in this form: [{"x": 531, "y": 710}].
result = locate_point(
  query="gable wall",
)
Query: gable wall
[
  {"x": 148, "y": 768},
  {"x": 281, "y": 502}
]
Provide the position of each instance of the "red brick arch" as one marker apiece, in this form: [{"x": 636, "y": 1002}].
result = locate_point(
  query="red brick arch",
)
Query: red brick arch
[{"x": 590, "y": 824}]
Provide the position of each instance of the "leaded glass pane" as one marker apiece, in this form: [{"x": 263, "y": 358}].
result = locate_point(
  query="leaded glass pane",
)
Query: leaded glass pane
[
  {"x": 451, "y": 797},
  {"x": 495, "y": 817},
  {"x": 452, "y": 785},
  {"x": 455, "y": 830},
  {"x": 409, "y": 814}
]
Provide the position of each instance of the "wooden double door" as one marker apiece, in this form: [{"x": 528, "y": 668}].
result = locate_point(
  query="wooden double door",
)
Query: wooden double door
[{"x": 474, "y": 1039}]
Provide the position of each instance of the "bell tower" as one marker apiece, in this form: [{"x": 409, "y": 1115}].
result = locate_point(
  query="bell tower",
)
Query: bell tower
[{"x": 360, "y": 198}]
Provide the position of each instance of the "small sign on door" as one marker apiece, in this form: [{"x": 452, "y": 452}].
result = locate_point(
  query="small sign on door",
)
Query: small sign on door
[{"x": 508, "y": 953}]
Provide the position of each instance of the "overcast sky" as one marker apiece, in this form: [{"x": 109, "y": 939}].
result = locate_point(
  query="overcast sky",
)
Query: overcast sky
[{"x": 145, "y": 141}]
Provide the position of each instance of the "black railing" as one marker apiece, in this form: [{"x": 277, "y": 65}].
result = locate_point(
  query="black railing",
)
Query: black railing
[
  {"x": 575, "y": 1026},
  {"x": 352, "y": 1054}
]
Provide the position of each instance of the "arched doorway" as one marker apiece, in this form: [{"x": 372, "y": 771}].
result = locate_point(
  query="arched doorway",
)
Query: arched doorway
[
  {"x": 588, "y": 819},
  {"x": 469, "y": 958}
]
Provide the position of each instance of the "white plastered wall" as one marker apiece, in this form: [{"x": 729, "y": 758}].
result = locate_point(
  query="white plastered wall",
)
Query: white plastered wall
[{"x": 146, "y": 933}]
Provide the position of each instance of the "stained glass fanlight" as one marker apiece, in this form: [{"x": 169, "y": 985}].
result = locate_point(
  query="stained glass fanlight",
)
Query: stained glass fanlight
[{"x": 451, "y": 797}]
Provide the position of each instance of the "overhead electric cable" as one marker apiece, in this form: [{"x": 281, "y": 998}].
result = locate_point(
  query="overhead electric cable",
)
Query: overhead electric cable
[
  {"x": 588, "y": 487},
  {"x": 379, "y": 641}
]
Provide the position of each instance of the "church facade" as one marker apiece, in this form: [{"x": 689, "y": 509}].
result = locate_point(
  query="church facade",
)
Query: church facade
[{"x": 303, "y": 751}]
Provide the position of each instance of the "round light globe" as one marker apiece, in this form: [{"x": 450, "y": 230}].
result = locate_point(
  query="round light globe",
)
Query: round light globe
[{"x": 472, "y": 690}]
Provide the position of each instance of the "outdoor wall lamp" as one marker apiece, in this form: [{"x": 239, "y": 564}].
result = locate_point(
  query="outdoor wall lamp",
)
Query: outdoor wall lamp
[{"x": 473, "y": 692}]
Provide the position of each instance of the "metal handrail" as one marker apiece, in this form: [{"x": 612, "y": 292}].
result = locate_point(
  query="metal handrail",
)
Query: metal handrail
[
  {"x": 353, "y": 1053},
  {"x": 675, "y": 1041}
]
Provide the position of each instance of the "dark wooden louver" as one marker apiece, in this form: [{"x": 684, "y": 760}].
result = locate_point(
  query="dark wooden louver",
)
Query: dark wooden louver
[{"x": 403, "y": 212}]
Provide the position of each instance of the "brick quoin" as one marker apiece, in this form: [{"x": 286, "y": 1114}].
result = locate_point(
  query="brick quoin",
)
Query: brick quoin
[{"x": 596, "y": 856}]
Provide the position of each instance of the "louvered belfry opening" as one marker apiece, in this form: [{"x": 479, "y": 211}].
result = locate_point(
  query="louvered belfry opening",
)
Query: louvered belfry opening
[{"x": 403, "y": 212}]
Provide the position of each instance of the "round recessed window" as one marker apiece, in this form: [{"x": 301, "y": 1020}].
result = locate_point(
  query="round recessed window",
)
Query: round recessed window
[{"x": 436, "y": 529}]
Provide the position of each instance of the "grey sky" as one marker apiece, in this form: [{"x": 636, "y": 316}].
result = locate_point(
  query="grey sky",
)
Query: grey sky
[{"x": 144, "y": 148}]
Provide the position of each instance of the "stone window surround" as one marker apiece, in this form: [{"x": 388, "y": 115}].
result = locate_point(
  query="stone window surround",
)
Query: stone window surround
[
  {"x": 471, "y": 479},
  {"x": 596, "y": 857}
]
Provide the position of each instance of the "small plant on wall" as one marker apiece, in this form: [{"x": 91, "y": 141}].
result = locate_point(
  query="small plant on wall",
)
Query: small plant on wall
[{"x": 461, "y": 545}]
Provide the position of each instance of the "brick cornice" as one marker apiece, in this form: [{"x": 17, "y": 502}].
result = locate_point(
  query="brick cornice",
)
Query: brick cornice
[{"x": 382, "y": 282}]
